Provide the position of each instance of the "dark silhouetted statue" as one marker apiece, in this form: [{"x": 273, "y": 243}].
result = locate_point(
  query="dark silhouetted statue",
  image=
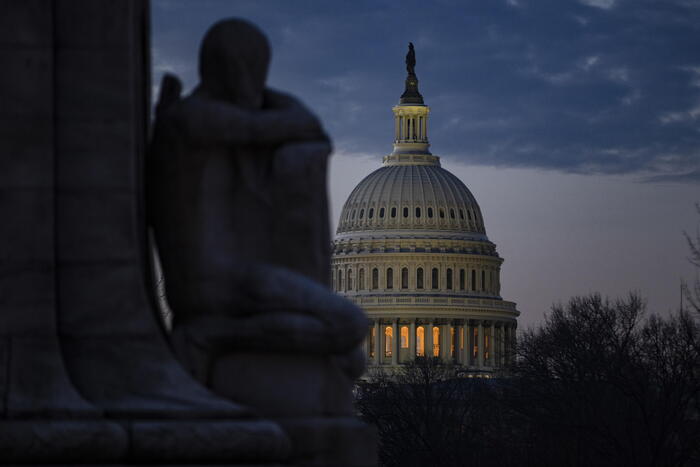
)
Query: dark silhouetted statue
[
  {"x": 411, "y": 59},
  {"x": 237, "y": 201}
]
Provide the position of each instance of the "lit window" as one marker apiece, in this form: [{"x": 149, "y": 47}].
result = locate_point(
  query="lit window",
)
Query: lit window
[
  {"x": 389, "y": 278},
  {"x": 452, "y": 341},
  {"x": 404, "y": 278},
  {"x": 388, "y": 341},
  {"x": 475, "y": 349},
  {"x": 436, "y": 341},
  {"x": 404, "y": 337},
  {"x": 420, "y": 341},
  {"x": 419, "y": 278}
]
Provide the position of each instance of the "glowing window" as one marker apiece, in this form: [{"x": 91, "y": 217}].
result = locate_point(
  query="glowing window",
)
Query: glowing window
[
  {"x": 393, "y": 212},
  {"x": 404, "y": 278},
  {"x": 375, "y": 278},
  {"x": 487, "y": 345},
  {"x": 452, "y": 341},
  {"x": 449, "y": 279},
  {"x": 381, "y": 213},
  {"x": 435, "y": 279},
  {"x": 388, "y": 340},
  {"x": 419, "y": 278},
  {"x": 436, "y": 341},
  {"x": 475, "y": 348},
  {"x": 420, "y": 341},
  {"x": 389, "y": 278},
  {"x": 404, "y": 337}
]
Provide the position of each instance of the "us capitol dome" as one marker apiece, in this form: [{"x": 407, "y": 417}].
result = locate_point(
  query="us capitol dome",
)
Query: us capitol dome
[{"x": 411, "y": 250}]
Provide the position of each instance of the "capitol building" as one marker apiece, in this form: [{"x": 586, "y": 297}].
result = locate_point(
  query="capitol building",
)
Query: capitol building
[{"x": 411, "y": 250}]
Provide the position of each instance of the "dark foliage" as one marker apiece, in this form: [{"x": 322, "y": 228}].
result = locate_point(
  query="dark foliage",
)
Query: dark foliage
[{"x": 597, "y": 384}]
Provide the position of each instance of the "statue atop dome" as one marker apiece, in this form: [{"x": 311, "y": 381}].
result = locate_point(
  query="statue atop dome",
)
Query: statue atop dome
[{"x": 411, "y": 59}]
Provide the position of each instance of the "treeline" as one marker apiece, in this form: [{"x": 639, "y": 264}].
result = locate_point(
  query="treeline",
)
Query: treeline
[{"x": 597, "y": 384}]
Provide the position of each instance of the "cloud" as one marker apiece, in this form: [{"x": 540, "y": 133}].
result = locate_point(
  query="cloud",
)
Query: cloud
[
  {"x": 603, "y": 4},
  {"x": 683, "y": 116}
]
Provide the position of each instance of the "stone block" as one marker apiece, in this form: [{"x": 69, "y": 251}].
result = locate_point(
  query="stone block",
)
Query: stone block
[
  {"x": 28, "y": 23},
  {"x": 26, "y": 82},
  {"x": 27, "y": 146},
  {"x": 96, "y": 155},
  {"x": 86, "y": 81},
  {"x": 95, "y": 225}
]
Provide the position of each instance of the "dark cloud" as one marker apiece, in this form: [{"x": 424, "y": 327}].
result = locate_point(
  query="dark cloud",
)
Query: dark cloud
[{"x": 590, "y": 86}]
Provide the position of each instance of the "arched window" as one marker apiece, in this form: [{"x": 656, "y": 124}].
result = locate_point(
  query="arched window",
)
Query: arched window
[
  {"x": 473, "y": 288},
  {"x": 452, "y": 213},
  {"x": 435, "y": 279},
  {"x": 375, "y": 278},
  {"x": 420, "y": 341},
  {"x": 381, "y": 213},
  {"x": 461, "y": 279},
  {"x": 436, "y": 341},
  {"x": 371, "y": 213},
  {"x": 388, "y": 340},
  {"x": 361, "y": 279},
  {"x": 340, "y": 280},
  {"x": 404, "y": 278},
  {"x": 389, "y": 278},
  {"x": 417, "y": 212},
  {"x": 393, "y": 212},
  {"x": 430, "y": 212},
  {"x": 449, "y": 279},
  {"x": 461, "y": 214},
  {"x": 419, "y": 278},
  {"x": 350, "y": 279},
  {"x": 405, "y": 212},
  {"x": 362, "y": 213},
  {"x": 442, "y": 213},
  {"x": 483, "y": 280},
  {"x": 404, "y": 337}
]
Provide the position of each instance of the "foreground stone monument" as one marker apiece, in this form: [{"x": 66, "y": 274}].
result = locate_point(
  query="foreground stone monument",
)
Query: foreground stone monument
[{"x": 87, "y": 374}]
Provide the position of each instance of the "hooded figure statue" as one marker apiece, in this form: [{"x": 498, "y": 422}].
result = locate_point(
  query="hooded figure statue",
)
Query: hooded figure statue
[{"x": 236, "y": 189}]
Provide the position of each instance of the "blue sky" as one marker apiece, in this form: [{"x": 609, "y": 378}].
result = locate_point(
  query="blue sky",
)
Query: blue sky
[{"x": 592, "y": 106}]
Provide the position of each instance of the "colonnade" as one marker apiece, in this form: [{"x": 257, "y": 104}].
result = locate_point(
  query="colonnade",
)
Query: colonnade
[{"x": 473, "y": 343}]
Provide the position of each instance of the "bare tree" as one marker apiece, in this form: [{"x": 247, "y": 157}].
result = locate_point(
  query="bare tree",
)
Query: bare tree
[{"x": 691, "y": 292}]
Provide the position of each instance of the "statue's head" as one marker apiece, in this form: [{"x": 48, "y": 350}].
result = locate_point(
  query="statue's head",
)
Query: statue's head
[{"x": 233, "y": 62}]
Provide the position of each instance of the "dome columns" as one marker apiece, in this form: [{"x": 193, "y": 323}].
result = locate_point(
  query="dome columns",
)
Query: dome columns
[{"x": 475, "y": 344}]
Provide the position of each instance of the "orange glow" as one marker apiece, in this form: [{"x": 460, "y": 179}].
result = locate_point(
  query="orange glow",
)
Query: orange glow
[{"x": 420, "y": 341}]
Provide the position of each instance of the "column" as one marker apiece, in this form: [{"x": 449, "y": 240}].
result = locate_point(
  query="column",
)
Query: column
[
  {"x": 445, "y": 342},
  {"x": 466, "y": 352},
  {"x": 395, "y": 342},
  {"x": 412, "y": 341},
  {"x": 377, "y": 343},
  {"x": 480, "y": 344},
  {"x": 428, "y": 339},
  {"x": 492, "y": 345}
]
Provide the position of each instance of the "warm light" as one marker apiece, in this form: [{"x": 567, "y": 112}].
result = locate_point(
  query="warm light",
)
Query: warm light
[
  {"x": 388, "y": 340},
  {"x": 404, "y": 337},
  {"x": 436, "y": 341},
  {"x": 420, "y": 341}
]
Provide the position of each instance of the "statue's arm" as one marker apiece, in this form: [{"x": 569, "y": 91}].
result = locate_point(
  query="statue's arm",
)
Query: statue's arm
[{"x": 212, "y": 122}]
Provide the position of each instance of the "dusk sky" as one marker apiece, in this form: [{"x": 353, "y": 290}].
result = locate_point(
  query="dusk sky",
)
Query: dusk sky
[{"x": 575, "y": 124}]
